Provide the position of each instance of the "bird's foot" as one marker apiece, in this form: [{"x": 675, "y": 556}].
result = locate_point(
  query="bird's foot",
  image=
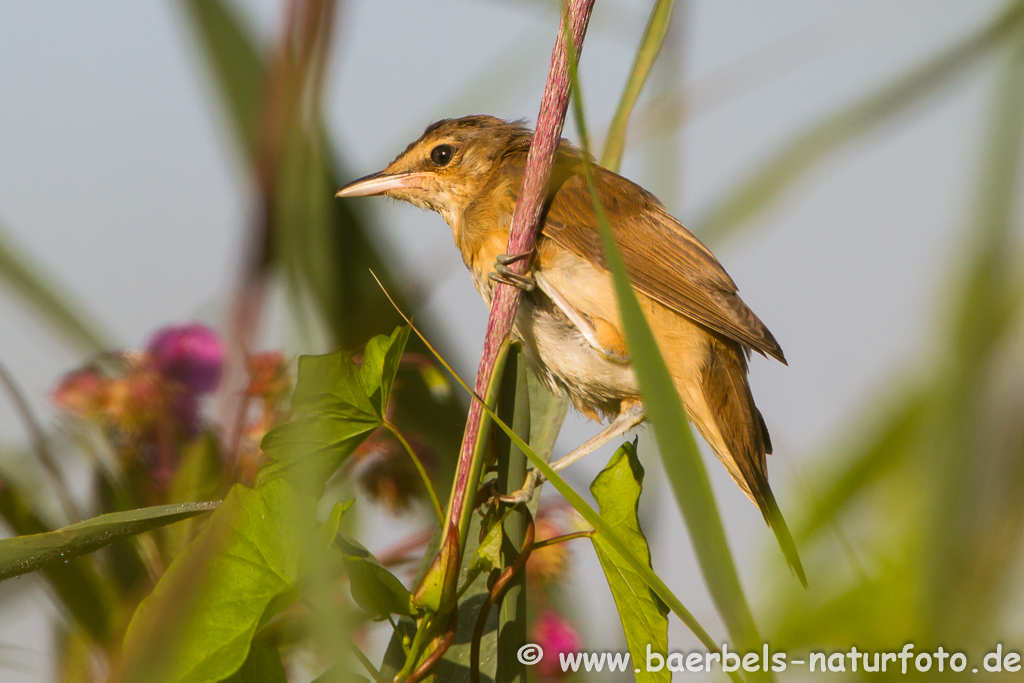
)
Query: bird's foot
[
  {"x": 502, "y": 273},
  {"x": 525, "y": 494},
  {"x": 509, "y": 259}
]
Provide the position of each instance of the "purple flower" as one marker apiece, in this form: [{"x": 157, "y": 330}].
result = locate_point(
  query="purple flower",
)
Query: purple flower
[{"x": 190, "y": 354}]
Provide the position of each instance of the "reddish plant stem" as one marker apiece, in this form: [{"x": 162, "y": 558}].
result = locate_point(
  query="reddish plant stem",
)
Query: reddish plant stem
[{"x": 525, "y": 226}]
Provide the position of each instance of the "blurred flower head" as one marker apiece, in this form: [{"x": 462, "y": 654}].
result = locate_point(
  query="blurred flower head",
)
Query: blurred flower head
[
  {"x": 82, "y": 392},
  {"x": 269, "y": 378},
  {"x": 191, "y": 354},
  {"x": 386, "y": 472},
  {"x": 147, "y": 403},
  {"x": 547, "y": 565},
  {"x": 557, "y": 636}
]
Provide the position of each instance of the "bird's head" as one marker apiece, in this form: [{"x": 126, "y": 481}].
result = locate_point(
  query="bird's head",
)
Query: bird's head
[{"x": 448, "y": 166}]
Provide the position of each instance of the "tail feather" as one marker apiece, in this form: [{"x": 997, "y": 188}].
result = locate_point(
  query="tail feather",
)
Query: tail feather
[{"x": 740, "y": 437}]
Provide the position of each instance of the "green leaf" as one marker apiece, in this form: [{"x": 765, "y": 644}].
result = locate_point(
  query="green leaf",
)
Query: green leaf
[
  {"x": 47, "y": 298},
  {"x": 374, "y": 588},
  {"x": 23, "y": 554},
  {"x": 644, "y": 616},
  {"x": 380, "y": 365},
  {"x": 263, "y": 665},
  {"x": 488, "y": 554},
  {"x": 331, "y": 383},
  {"x": 307, "y": 451},
  {"x": 198, "y": 622}
]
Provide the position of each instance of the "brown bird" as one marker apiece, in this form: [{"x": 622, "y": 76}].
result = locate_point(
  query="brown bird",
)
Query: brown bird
[{"x": 470, "y": 171}]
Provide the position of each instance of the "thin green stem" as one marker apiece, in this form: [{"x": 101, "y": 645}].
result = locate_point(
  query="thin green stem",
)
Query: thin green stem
[
  {"x": 562, "y": 539},
  {"x": 367, "y": 664},
  {"x": 431, "y": 491}
]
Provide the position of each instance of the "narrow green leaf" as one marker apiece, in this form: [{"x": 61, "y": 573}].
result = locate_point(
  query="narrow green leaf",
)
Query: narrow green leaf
[
  {"x": 679, "y": 454},
  {"x": 23, "y": 554},
  {"x": 380, "y": 365},
  {"x": 644, "y": 616},
  {"x": 198, "y": 622},
  {"x": 650, "y": 46},
  {"x": 235, "y": 63},
  {"x": 77, "y": 585},
  {"x": 813, "y": 144},
  {"x": 45, "y": 296},
  {"x": 263, "y": 665},
  {"x": 514, "y": 409},
  {"x": 332, "y": 383},
  {"x": 882, "y": 451}
]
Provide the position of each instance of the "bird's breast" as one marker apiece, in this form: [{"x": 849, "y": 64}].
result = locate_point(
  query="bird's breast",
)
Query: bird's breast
[{"x": 596, "y": 378}]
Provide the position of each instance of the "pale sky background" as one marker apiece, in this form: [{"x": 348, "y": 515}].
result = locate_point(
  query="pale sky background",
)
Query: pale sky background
[{"x": 118, "y": 174}]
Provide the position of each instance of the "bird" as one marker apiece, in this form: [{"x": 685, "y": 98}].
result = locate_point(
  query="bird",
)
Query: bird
[{"x": 470, "y": 171}]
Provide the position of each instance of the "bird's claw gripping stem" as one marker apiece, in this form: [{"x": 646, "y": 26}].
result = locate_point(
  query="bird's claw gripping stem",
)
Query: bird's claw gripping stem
[
  {"x": 502, "y": 272},
  {"x": 525, "y": 494}
]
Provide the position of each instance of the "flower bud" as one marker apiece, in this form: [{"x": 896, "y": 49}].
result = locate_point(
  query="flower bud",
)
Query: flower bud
[{"x": 190, "y": 354}]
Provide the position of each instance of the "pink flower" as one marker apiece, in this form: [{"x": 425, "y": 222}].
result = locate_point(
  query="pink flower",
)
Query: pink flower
[
  {"x": 557, "y": 636},
  {"x": 190, "y": 354}
]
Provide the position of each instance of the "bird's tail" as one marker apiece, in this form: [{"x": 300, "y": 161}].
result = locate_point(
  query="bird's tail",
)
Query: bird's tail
[{"x": 738, "y": 436}]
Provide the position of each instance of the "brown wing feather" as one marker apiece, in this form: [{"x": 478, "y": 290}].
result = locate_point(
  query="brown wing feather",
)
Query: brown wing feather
[{"x": 665, "y": 260}]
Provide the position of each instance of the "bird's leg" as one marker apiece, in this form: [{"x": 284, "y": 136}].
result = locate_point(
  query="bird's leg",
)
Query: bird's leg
[
  {"x": 502, "y": 272},
  {"x": 630, "y": 417}
]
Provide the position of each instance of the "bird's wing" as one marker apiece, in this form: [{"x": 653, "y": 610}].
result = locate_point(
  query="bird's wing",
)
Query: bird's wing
[{"x": 665, "y": 260}]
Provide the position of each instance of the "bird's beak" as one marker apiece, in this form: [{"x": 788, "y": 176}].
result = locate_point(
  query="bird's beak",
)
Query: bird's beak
[{"x": 381, "y": 182}]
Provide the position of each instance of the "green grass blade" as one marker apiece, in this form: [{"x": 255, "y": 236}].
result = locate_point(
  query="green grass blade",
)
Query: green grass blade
[
  {"x": 235, "y": 63},
  {"x": 966, "y": 552},
  {"x": 22, "y": 554},
  {"x": 45, "y": 296},
  {"x": 514, "y": 409},
  {"x": 78, "y": 586},
  {"x": 883, "y": 450},
  {"x": 682, "y": 461},
  {"x": 794, "y": 159},
  {"x": 650, "y": 46}
]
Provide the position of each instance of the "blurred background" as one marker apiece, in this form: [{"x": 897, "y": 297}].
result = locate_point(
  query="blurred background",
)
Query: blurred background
[{"x": 854, "y": 165}]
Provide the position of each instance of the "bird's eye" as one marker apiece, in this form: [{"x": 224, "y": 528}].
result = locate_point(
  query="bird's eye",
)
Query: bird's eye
[{"x": 441, "y": 155}]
